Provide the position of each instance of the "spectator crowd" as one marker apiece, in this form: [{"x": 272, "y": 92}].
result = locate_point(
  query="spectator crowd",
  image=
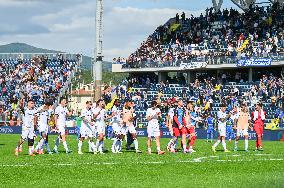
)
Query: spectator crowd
[
  {"x": 39, "y": 78},
  {"x": 207, "y": 92},
  {"x": 213, "y": 37}
]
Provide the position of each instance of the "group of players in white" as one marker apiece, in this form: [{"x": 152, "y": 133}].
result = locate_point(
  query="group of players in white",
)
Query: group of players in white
[{"x": 181, "y": 121}]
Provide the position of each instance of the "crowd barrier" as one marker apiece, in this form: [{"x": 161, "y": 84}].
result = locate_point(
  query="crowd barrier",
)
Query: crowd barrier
[{"x": 269, "y": 135}]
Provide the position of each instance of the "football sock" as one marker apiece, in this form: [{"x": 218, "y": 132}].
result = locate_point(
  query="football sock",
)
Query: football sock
[
  {"x": 57, "y": 142},
  {"x": 98, "y": 144},
  {"x": 80, "y": 143},
  {"x": 224, "y": 144},
  {"x": 259, "y": 142},
  {"x": 40, "y": 144},
  {"x": 135, "y": 144},
  {"x": 90, "y": 145},
  {"x": 216, "y": 143},
  {"x": 192, "y": 141},
  {"x": 246, "y": 144},
  {"x": 101, "y": 146},
  {"x": 113, "y": 147},
  {"x": 118, "y": 145},
  {"x": 93, "y": 147},
  {"x": 47, "y": 147},
  {"x": 158, "y": 149},
  {"x": 184, "y": 147},
  {"x": 65, "y": 146},
  {"x": 30, "y": 150}
]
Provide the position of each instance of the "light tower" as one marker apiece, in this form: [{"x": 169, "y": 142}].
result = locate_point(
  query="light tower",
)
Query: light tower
[{"x": 98, "y": 59}]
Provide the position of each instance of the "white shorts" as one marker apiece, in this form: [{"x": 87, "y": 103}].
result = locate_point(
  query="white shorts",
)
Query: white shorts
[
  {"x": 131, "y": 129},
  {"x": 27, "y": 133},
  {"x": 94, "y": 131},
  {"x": 101, "y": 128},
  {"x": 43, "y": 128},
  {"x": 61, "y": 130},
  {"x": 123, "y": 130},
  {"x": 86, "y": 132},
  {"x": 153, "y": 130},
  {"x": 222, "y": 130},
  {"x": 116, "y": 128},
  {"x": 242, "y": 132}
]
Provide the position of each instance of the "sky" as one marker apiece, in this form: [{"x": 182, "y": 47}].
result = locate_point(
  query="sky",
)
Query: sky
[{"x": 69, "y": 25}]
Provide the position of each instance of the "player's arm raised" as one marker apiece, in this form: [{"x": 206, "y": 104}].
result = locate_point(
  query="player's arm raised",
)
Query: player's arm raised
[{"x": 97, "y": 114}]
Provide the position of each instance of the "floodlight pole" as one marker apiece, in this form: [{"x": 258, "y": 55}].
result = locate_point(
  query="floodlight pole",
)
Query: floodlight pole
[{"x": 98, "y": 59}]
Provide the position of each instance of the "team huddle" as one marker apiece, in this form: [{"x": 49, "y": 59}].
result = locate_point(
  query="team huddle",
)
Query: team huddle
[
  {"x": 93, "y": 126},
  {"x": 181, "y": 121}
]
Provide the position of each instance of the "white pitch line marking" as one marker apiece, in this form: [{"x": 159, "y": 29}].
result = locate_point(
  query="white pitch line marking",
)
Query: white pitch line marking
[
  {"x": 184, "y": 161},
  {"x": 199, "y": 159},
  {"x": 109, "y": 163},
  {"x": 213, "y": 156},
  {"x": 154, "y": 162},
  {"x": 68, "y": 164},
  {"x": 262, "y": 154},
  {"x": 195, "y": 160},
  {"x": 235, "y": 155}
]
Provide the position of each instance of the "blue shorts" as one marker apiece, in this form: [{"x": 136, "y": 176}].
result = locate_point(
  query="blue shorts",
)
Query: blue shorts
[
  {"x": 229, "y": 129},
  {"x": 210, "y": 130}
]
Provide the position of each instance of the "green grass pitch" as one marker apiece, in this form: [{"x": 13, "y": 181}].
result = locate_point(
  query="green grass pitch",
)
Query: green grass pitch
[{"x": 201, "y": 169}]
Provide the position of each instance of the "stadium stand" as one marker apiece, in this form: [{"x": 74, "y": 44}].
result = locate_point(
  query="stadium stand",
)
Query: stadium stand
[
  {"x": 38, "y": 78},
  {"x": 220, "y": 39},
  {"x": 208, "y": 95},
  {"x": 215, "y": 37}
]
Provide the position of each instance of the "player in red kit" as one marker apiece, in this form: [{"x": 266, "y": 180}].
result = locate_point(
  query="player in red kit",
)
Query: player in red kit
[
  {"x": 258, "y": 117},
  {"x": 179, "y": 123}
]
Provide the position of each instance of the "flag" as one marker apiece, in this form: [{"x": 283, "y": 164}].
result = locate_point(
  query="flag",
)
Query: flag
[{"x": 110, "y": 104}]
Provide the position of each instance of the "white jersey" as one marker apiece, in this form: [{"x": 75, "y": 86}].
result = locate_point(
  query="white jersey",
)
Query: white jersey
[
  {"x": 61, "y": 112},
  {"x": 171, "y": 113},
  {"x": 221, "y": 115},
  {"x": 43, "y": 117},
  {"x": 50, "y": 113},
  {"x": 154, "y": 114},
  {"x": 88, "y": 115},
  {"x": 116, "y": 118},
  {"x": 28, "y": 118},
  {"x": 101, "y": 112},
  {"x": 234, "y": 116}
]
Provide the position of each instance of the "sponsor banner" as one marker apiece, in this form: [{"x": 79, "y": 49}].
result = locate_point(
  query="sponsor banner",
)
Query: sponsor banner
[
  {"x": 192, "y": 65},
  {"x": 273, "y": 135},
  {"x": 254, "y": 62}
]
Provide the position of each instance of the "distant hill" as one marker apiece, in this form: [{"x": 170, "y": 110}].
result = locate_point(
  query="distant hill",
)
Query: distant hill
[{"x": 25, "y": 48}]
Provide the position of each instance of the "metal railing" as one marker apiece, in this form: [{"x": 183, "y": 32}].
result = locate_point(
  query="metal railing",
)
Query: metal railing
[
  {"x": 13, "y": 56},
  {"x": 210, "y": 60}
]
